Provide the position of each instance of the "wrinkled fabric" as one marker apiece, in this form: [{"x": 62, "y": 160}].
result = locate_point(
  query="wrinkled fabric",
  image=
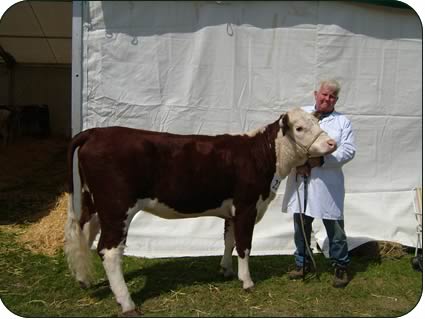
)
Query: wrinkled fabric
[{"x": 207, "y": 67}]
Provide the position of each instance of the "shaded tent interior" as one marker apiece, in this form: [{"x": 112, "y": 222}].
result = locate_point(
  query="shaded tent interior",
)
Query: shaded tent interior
[{"x": 35, "y": 66}]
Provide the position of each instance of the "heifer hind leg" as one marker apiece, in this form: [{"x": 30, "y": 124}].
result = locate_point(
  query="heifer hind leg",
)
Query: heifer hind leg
[
  {"x": 229, "y": 244},
  {"x": 112, "y": 262},
  {"x": 89, "y": 219},
  {"x": 111, "y": 248},
  {"x": 91, "y": 229}
]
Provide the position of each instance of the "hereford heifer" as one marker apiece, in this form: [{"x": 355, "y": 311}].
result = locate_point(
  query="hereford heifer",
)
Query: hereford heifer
[{"x": 122, "y": 171}]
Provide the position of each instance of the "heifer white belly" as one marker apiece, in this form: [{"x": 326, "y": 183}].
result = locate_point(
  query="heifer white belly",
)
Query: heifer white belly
[{"x": 155, "y": 207}]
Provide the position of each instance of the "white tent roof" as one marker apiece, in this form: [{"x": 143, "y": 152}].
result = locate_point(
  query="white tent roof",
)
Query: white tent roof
[{"x": 37, "y": 32}]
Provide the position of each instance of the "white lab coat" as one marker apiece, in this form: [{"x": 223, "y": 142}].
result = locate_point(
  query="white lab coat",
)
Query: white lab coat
[{"x": 325, "y": 193}]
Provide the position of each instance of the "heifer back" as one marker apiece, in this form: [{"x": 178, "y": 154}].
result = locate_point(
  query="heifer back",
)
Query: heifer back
[
  {"x": 188, "y": 175},
  {"x": 123, "y": 170}
]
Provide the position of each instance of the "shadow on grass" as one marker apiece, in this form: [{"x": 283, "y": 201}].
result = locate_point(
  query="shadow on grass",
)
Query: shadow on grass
[
  {"x": 164, "y": 279},
  {"x": 361, "y": 257},
  {"x": 163, "y": 276}
]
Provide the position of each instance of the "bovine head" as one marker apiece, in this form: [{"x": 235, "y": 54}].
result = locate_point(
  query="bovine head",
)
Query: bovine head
[{"x": 300, "y": 138}]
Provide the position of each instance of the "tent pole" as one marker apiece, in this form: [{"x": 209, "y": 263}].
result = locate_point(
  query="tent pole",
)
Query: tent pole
[
  {"x": 76, "y": 82},
  {"x": 77, "y": 53}
]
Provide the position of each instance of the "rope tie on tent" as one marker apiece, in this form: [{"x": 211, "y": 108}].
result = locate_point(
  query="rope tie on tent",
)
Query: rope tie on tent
[{"x": 229, "y": 29}]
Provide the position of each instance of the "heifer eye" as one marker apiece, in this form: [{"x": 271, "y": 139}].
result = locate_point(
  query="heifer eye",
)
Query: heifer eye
[{"x": 299, "y": 129}]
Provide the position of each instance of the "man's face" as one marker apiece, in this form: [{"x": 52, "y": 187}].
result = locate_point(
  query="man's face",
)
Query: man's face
[{"x": 325, "y": 99}]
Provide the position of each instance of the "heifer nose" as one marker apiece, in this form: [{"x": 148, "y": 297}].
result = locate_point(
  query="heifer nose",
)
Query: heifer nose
[{"x": 332, "y": 144}]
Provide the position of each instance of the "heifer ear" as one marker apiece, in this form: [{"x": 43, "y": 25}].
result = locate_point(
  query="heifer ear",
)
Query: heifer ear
[{"x": 283, "y": 123}]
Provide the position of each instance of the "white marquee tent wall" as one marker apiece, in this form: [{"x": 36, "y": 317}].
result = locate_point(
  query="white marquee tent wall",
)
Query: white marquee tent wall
[{"x": 211, "y": 67}]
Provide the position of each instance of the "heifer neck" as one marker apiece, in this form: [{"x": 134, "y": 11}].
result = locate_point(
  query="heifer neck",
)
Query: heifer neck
[
  {"x": 280, "y": 154},
  {"x": 268, "y": 143},
  {"x": 288, "y": 155}
]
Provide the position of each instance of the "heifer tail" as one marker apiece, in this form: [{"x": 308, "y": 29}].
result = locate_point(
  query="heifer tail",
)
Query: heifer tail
[{"x": 76, "y": 247}]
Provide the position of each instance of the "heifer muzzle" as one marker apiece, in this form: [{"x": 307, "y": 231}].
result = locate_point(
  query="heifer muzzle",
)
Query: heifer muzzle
[{"x": 306, "y": 148}]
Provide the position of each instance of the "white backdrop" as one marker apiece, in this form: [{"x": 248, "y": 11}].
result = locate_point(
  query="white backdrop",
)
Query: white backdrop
[{"x": 227, "y": 67}]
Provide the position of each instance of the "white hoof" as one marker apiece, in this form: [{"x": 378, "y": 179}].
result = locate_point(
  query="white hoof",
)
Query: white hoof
[{"x": 248, "y": 285}]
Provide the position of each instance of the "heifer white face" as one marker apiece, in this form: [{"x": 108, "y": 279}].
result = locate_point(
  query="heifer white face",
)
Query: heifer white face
[
  {"x": 300, "y": 138},
  {"x": 304, "y": 128}
]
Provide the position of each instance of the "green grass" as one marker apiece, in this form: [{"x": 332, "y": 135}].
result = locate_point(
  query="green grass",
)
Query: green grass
[{"x": 39, "y": 286}]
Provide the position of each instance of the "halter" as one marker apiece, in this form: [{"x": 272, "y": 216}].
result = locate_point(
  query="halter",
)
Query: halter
[{"x": 304, "y": 148}]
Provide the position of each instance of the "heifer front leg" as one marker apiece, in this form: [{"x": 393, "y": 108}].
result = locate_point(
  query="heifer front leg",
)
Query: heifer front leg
[
  {"x": 229, "y": 244},
  {"x": 243, "y": 271},
  {"x": 244, "y": 228}
]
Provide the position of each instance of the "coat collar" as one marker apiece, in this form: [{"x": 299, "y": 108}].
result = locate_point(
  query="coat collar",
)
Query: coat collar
[{"x": 324, "y": 115}]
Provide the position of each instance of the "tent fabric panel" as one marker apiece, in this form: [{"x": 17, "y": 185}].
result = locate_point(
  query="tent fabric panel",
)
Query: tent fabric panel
[{"x": 212, "y": 75}]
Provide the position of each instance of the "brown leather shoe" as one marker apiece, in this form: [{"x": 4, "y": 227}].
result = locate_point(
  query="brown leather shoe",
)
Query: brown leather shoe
[
  {"x": 341, "y": 279},
  {"x": 298, "y": 272}
]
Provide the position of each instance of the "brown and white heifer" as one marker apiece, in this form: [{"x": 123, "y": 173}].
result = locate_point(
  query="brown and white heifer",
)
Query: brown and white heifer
[{"x": 122, "y": 171}]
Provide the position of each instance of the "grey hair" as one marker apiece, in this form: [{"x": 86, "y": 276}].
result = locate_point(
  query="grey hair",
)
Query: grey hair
[{"x": 331, "y": 83}]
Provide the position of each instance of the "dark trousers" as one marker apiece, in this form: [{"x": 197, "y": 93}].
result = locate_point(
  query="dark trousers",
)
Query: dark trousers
[{"x": 338, "y": 249}]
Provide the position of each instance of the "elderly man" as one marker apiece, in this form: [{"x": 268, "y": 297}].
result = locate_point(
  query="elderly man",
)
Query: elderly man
[{"x": 325, "y": 188}]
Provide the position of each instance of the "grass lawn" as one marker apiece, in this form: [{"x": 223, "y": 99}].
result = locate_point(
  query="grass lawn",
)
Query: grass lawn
[
  {"x": 39, "y": 285},
  {"x": 34, "y": 285}
]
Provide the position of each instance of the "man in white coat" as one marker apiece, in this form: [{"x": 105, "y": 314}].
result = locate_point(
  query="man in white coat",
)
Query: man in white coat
[{"x": 325, "y": 188}]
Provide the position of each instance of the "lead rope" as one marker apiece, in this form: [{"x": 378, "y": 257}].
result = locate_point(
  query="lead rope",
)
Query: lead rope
[{"x": 302, "y": 212}]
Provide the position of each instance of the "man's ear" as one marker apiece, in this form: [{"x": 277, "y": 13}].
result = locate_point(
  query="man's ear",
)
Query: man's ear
[{"x": 283, "y": 123}]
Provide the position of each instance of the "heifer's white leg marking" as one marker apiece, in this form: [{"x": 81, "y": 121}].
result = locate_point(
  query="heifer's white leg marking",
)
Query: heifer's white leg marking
[
  {"x": 243, "y": 271},
  {"x": 229, "y": 244},
  {"x": 112, "y": 264}
]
